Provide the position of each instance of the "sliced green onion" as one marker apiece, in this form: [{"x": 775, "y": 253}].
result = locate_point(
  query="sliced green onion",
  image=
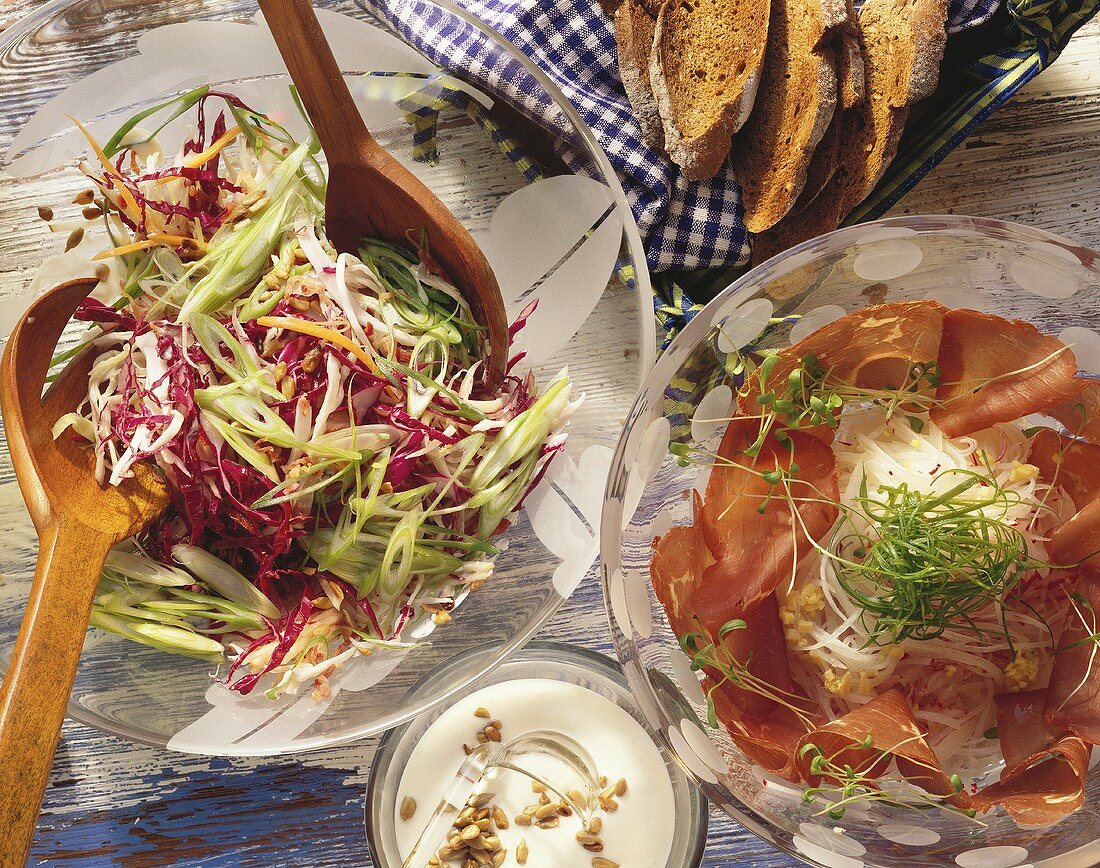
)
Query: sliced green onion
[
  {"x": 225, "y": 580},
  {"x": 236, "y": 263}
]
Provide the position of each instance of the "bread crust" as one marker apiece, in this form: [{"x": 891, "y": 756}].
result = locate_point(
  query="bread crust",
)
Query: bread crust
[
  {"x": 634, "y": 30},
  {"x": 705, "y": 70}
]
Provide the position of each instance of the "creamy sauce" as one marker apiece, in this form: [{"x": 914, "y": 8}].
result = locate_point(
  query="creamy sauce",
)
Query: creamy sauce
[{"x": 637, "y": 835}]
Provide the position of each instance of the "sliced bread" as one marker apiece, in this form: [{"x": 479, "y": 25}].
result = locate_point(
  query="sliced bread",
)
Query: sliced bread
[
  {"x": 705, "y": 70},
  {"x": 852, "y": 90},
  {"x": 797, "y": 100},
  {"x": 634, "y": 27},
  {"x": 902, "y": 43}
]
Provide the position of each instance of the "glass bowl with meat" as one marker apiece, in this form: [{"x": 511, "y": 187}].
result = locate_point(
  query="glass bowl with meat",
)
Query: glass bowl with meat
[
  {"x": 851, "y": 547},
  {"x": 353, "y": 504}
]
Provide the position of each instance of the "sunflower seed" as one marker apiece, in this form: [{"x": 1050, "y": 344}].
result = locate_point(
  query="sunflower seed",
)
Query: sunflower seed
[
  {"x": 498, "y": 858},
  {"x": 523, "y": 820},
  {"x": 75, "y": 237},
  {"x": 311, "y": 359},
  {"x": 408, "y": 807},
  {"x": 45, "y": 212},
  {"x": 102, "y": 272},
  {"x": 84, "y": 197},
  {"x": 521, "y": 851},
  {"x": 92, "y": 212},
  {"x": 620, "y": 786},
  {"x": 588, "y": 838},
  {"x": 470, "y": 832},
  {"x": 548, "y": 810},
  {"x": 480, "y": 800},
  {"x": 482, "y": 712},
  {"x": 600, "y": 862},
  {"x": 500, "y": 818},
  {"x": 548, "y": 823},
  {"x": 595, "y": 825},
  {"x": 578, "y": 798}
]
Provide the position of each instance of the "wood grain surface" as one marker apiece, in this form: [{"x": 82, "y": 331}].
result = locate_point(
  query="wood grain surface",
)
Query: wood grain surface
[{"x": 111, "y": 802}]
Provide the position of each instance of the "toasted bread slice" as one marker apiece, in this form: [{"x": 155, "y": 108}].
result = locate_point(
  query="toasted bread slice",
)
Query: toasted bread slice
[
  {"x": 902, "y": 43},
  {"x": 798, "y": 97},
  {"x": 705, "y": 70},
  {"x": 852, "y": 87},
  {"x": 850, "y": 93},
  {"x": 634, "y": 27}
]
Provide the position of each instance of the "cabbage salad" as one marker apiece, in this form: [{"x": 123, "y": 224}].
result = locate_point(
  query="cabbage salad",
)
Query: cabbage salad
[{"x": 338, "y": 467}]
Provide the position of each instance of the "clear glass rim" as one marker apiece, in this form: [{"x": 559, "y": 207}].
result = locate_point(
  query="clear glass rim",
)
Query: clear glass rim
[
  {"x": 596, "y": 663},
  {"x": 752, "y": 282},
  {"x": 642, "y": 291}
]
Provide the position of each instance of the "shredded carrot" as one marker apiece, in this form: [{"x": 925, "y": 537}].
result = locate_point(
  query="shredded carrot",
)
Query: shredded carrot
[
  {"x": 127, "y": 198},
  {"x": 158, "y": 240},
  {"x": 211, "y": 152},
  {"x": 319, "y": 331}
]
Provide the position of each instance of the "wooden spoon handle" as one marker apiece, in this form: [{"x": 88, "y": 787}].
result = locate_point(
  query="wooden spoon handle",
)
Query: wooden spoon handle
[
  {"x": 38, "y": 681},
  {"x": 308, "y": 57}
]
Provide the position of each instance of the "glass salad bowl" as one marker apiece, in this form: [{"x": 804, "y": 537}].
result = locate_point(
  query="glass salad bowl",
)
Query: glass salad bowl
[
  {"x": 1012, "y": 271},
  {"x": 541, "y": 199}
]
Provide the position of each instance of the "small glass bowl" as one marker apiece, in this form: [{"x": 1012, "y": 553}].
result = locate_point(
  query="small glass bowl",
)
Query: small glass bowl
[
  {"x": 963, "y": 262},
  {"x": 559, "y": 234},
  {"x": 545, "y": 660}
]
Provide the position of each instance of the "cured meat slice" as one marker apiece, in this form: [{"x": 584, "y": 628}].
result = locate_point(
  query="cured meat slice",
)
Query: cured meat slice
[
  {"x": 1081, "y": 413},
  {"x": 765, "y": 727},
  {"x": 1043, "y": 789},
  {"x": 867, "y": 739},
  {"x": 1021, "y": 729},
  {"x": 770, "y": 740},
  {"x": 1077, "y": 541},
  {"x": 1073, "y": 465},
  {"x": 679, "y": 559},
  {"x": 1073, "y": 696},
  {"x": 873, "y": 348},
  {"x": 1044, "y": 776},
  {"x": 996, "y": 370},
  {"x": 755, "y": 551}
]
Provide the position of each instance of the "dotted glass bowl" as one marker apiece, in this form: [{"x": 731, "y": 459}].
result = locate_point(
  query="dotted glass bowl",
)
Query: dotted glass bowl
[
  {"x": 542, "y": 201},
  {"x": 1008, "y": 270}
]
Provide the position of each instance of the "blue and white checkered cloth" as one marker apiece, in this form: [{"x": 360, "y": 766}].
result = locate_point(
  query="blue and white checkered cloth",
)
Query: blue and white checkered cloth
[{"x": 683, "y": 224}]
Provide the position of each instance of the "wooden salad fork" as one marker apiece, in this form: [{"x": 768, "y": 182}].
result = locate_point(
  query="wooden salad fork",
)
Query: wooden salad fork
[
  {"x": 77, "y": 522},
  {"x": 369, "y": 192}
]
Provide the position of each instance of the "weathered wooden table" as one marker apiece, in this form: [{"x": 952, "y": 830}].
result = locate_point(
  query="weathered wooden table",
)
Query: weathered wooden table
[{"x": 111, "y": 802}]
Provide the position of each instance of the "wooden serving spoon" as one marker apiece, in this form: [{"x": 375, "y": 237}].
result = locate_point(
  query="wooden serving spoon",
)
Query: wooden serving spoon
[
  {"x": 77, "y": 522},
  {"x": 369, "y": 192}
]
